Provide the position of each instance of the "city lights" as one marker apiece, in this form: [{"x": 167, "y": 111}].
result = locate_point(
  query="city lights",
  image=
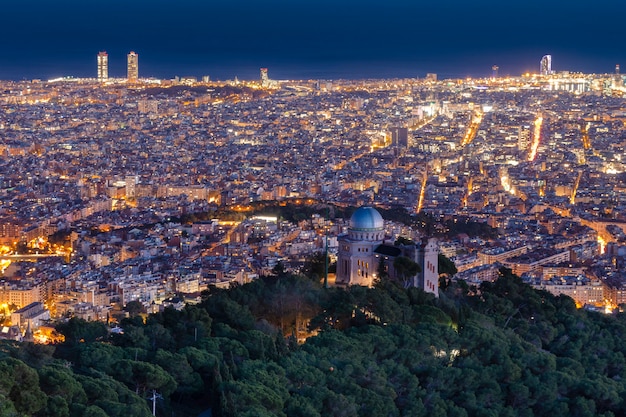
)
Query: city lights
[
  {"x": 536, "y": 139},
  {"x": 185, "y": 169}
]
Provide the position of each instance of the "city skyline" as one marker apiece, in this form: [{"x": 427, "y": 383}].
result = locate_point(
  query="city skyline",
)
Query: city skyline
[
  {"x": 297, "y": 41},
  {"x": 101, "y": 72}
]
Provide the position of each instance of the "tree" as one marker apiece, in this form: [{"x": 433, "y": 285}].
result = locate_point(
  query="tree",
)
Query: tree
[
  {"x": 56, "y": 406},
  {"x": 36, "y": 355},
  {"x": 381, "y": 272},
  {"x": 186, "y": 326},
  {"x": 94, "y": 411},
  {"x": 405, "y": 269},
  {"x": 446, "y": 270},
  {"x": 7, "y": 409},
  {"x": 401, "y": 240},
  {"x": 279, "y": 269},
  {"x": 134, "y": 308},
  {"x": 445, "y": 265},
  {"x": 315, "y": 266},
  {"x": 100, "y": 356},
  {"x": 144, "y": 376},
  {"x": 78, "y": 330},
  {"x": 20, "y": 383},
  {"x": 59, "y": 381},
  {"x": 187, "y": 381}
]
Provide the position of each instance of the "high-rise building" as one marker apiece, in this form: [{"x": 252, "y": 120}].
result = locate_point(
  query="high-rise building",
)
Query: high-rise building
[
  {"x": 618, "y": 81},
  {"x": 133, "y": 67},
  {"x": 494, "y": 71},
  {"x": 545, "y": 66},
  {"x": 103, "y": 66},
  {"x": 523, "y": 138},
  {"x": 265, "y": 80},
  {"x": 400, "y": 137}
]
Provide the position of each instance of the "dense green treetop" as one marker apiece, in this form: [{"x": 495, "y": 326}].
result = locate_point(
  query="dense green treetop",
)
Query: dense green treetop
[{"x": 285, "y": 346}]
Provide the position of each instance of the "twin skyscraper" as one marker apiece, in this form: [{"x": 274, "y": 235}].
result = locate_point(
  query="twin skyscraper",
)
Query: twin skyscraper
[{"x": 132, "y": 66}]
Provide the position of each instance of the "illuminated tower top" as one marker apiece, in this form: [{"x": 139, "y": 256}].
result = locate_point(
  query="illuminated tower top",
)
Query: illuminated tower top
[
  {"x": 133, "y": 67},
  {"x": 103, "y": 66},
  {"x": 545, "y": 67}
]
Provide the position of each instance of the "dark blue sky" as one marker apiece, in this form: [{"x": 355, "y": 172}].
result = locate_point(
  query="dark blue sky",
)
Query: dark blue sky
[{"x": 309, "y": 39}]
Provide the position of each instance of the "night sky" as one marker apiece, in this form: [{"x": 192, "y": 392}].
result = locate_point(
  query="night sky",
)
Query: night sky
[{"x": 309, "y": 39}]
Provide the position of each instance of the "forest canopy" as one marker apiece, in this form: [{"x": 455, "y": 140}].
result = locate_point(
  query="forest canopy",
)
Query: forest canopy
[{"x": 286, "y": 346}]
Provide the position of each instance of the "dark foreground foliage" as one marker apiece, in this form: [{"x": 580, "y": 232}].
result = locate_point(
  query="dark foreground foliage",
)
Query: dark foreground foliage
[{"x": 501, "y": 350}]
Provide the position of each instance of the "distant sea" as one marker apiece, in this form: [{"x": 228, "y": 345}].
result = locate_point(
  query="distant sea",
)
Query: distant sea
[{"x": 227, "y": 68}]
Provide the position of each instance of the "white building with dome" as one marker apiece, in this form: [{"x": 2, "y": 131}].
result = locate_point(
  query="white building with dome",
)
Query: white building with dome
[{"x": 361, "y": 250}]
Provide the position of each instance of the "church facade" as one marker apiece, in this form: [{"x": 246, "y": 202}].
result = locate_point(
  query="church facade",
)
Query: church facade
[{"x": 362, "y": 250}]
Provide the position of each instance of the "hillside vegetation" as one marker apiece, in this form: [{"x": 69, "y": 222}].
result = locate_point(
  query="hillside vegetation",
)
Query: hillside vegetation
[{"x": 500, "y": 350}]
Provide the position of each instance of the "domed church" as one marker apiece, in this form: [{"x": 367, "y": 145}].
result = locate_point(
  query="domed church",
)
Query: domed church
[{"x": 363, "y": 247}]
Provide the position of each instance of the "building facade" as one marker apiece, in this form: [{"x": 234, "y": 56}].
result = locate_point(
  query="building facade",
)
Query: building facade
[
  {"x": 265, "y": 79},
  {"x": 356, "y": 261},
  {"x": 362, "y": 252},
  {"x": 103, "y": 66},
  {"x": 545, "y": 66},
  {"x": 132, "y": 67},
  {"x": 33, "y": 315},
  {"x": 400, "y": 137}
]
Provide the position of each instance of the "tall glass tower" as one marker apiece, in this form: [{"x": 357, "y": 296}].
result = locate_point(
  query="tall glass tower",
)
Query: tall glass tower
[
  {"x": 265, "y": 80},
  {"x": 133, "y": 67},
  {"x": 545, "y": 67},
  {"x": 103, "y": 66}
]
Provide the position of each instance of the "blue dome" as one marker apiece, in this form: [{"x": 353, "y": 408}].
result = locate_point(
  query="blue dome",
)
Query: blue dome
[{"x": 367, "y": 219}]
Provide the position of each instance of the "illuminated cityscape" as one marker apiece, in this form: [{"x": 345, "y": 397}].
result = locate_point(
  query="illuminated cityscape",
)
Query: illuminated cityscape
[
  {"x": 537, "y": 159},
  {"x": 350, "y": 208}
]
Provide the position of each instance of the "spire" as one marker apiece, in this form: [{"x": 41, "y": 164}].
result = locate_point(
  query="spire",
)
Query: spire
[{"x": 28, "y": 335}]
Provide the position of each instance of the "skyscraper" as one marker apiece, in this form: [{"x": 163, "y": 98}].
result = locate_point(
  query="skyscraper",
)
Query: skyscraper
[
  {"x": 103, "y": 66},
  {"x": 523, "y": 138},
  {"x": 400, "y": 137},
  {"x": 545, "y": 67},
  {"x": 494, "y": 71},
  {"x": 265, "y": 80},
  {"x": 133, "y": 67},
  {"x": 618, "y": 81}
]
